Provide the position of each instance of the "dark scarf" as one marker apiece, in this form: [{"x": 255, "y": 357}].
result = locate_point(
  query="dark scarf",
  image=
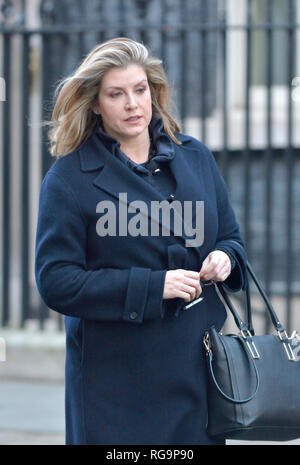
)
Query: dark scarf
[{"x": 161, "y": 148}]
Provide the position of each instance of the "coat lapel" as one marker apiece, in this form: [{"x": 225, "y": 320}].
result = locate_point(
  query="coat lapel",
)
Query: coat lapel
[{"x": 115, "y": 178}]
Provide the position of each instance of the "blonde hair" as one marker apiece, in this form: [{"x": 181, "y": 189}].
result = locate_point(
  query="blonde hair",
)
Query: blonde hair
[{"x": 73, "y": 118}]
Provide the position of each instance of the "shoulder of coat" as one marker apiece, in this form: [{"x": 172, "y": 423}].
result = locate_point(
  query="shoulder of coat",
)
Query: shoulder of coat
[
  {"x": 66, "y": 167},
  {"x": 190, "y": 142},
  {"x": 66, "y": 161}
]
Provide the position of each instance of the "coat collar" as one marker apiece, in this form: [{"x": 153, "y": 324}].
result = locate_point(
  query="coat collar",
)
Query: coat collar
[
  {"x": 92, "y": 153},
  {"x": 162, "y": 149},
  {"x": 114, "y": 177}
]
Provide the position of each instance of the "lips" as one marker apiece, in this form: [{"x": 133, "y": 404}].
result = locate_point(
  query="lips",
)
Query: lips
[{"x": 133, "y": 118}]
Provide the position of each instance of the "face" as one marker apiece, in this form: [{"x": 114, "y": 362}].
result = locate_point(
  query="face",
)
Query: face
[{"x": 124, "y": 102}]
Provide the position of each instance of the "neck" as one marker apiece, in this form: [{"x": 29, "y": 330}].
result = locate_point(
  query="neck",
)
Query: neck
[{"x": 136, "y": 149}]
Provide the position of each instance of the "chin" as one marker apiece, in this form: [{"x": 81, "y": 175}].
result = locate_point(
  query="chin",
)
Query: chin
[{"x": 135, "y": 131}]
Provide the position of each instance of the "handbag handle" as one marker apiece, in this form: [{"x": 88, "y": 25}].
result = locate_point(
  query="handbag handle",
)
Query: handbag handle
[
  {"x": 249, "y": 309},
  {"x": 241, "y": 325},
  {"x": 275, "y": 320},
  {"x": 246, "y": 334},
  {"x": 231, "y": 399},
  {"x": 247, "y": 290}
]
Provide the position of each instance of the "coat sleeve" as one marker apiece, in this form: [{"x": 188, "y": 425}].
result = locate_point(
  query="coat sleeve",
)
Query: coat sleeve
[
  {"x": 63, "y": 279},
  {"x": 229, "y": 238}
]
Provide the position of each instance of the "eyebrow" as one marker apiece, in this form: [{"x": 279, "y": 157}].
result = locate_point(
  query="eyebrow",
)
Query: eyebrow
[{"x": 115, "y": 87}]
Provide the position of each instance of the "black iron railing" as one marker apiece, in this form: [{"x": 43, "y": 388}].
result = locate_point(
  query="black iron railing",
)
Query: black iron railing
[{"x": 197, "y": 40}]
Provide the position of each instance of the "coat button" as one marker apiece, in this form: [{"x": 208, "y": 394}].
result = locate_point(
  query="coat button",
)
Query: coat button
[
  {"x": 171, "y": 197},
  {"x": 133, "y": 315}
]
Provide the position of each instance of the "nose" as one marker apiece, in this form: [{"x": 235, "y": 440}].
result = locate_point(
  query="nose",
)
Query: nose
[{"x": 131, "y": 103}]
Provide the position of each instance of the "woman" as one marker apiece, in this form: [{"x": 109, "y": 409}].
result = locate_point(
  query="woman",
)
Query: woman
[{"x": 121, "y": 274}]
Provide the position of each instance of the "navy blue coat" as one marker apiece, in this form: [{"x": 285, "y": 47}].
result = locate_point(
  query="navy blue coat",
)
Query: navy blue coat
[{"x": 135, "y": 364}]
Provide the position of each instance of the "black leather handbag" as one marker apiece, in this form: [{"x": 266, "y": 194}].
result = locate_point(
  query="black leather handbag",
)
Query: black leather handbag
[{"x": 254, "y": 380}]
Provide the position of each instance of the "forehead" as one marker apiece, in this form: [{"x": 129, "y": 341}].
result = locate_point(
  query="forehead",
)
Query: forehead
[{"x": 123, "y": 77}]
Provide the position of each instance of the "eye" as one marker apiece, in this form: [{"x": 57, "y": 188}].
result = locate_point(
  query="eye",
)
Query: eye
[
  {"x": 115, "y": 94},
  {"x": 141, "y": 90}
]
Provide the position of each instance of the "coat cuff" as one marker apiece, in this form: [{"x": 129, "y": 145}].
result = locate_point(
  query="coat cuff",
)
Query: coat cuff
[
  {"x": 154, "y": 304},
  {"x": 144, "y": 295}
]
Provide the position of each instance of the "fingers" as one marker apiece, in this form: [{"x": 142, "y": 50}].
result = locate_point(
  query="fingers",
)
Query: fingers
[
  {"x": 189, "y": 293},
  {"x": 216, "y": 266},
  {"x": 182, "y": 283},
  {"x": 189, "y": 286},
  {"x": 186, "y": 283}
]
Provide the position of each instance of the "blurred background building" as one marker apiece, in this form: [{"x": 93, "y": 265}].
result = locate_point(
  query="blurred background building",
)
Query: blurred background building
[{"x": 234, "y": 71}]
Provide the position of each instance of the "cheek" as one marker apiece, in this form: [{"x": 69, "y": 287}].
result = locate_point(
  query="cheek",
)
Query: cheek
[
  {"x": 109, "y": 112},
  {"x": 148, "y": 105},
  {"x": 106, "y": 105}
]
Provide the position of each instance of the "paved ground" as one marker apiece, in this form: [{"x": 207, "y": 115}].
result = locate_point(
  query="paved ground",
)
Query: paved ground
[{"x": 32, "y": 413}]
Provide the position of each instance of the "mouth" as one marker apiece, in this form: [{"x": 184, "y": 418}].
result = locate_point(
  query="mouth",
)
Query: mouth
[{"x": 133, "y": 119}]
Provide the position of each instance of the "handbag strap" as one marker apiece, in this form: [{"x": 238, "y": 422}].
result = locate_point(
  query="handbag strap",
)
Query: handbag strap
[
  {"x": 223, "y": 394},
  {"x": 249, "y": 309},
  {"x": 238, "y": 321},
  {"x": 241, "y": 325},
  {"x": 247, "y": 290},
  {"x": 244, "y": 329},
  {"x": 274, "y": 317},
  {"x": 275, "y": 320}
]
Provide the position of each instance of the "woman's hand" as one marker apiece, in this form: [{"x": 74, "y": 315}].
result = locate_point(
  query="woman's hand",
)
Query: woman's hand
[
  {"x": 216, "y": 266},
  {"x": 182, "y": 283}
]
